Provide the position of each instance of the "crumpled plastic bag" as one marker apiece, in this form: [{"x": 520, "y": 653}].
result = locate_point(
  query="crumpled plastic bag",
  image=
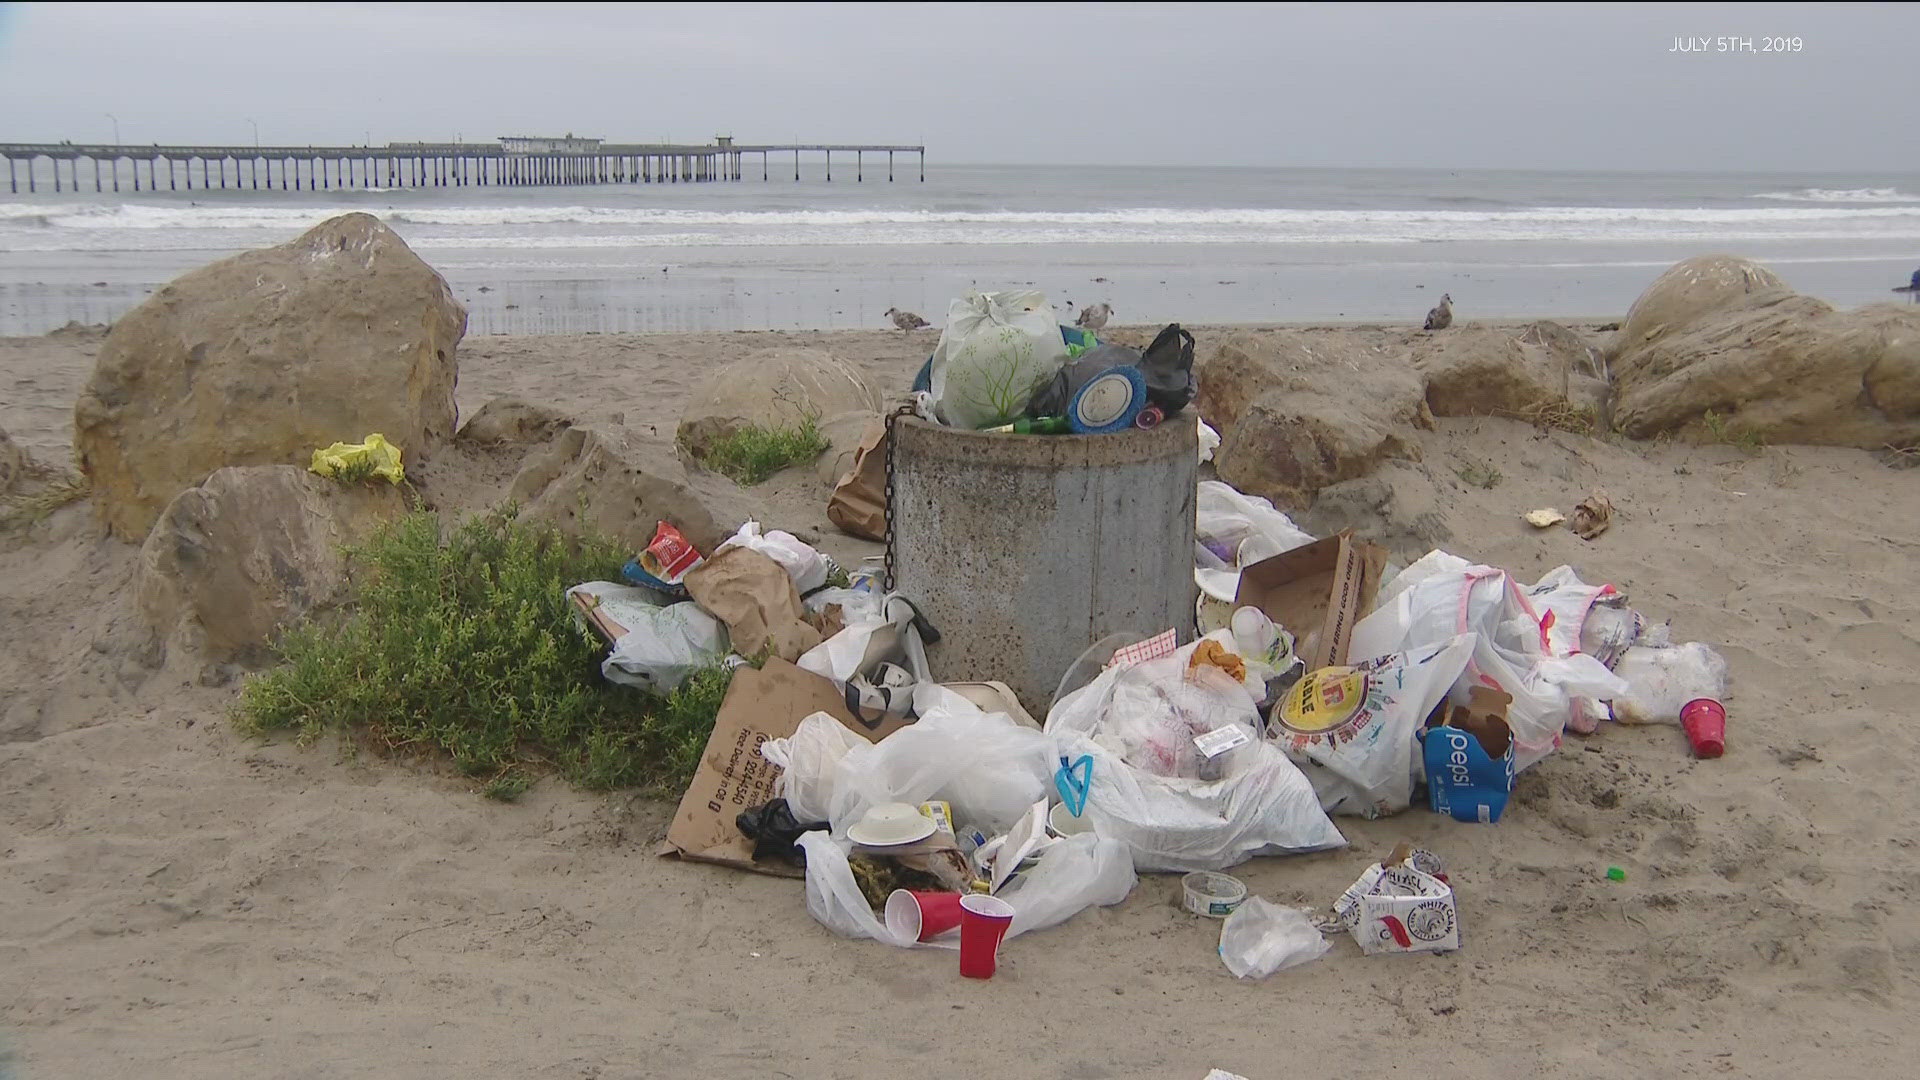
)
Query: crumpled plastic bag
[
  {"x": 1660, "y": 681},
  {"x": 806, "y": 566},
  {"x": 988, "y": 768},
  {"x": 1260, "y": 938},
  {"x": 1072, "y": 874},
  {"x": 378, "y": 457},
  {"x": 808, "y": 759},
  {"x": 662, "y": 645}
]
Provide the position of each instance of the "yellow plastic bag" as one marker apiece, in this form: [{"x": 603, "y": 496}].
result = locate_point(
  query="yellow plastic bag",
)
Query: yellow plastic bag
[{"x": 375, "y": 457}]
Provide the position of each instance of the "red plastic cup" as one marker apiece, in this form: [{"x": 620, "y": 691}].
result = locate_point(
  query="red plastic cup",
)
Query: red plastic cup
[
  {"x": 1705, "y": 722},
  {"x": 922, "y": 916},
  {"x": 983, "y": 923}
]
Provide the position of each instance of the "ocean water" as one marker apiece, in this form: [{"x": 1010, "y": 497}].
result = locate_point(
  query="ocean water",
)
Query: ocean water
[{"x": 1200, "y": 245}]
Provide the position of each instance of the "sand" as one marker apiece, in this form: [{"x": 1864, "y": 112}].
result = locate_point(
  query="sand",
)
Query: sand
[{"x": 177, "y": 900}]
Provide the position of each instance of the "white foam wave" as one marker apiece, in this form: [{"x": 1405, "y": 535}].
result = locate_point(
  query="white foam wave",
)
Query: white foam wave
[
  {"x": 136, "y": 226},
  {"x": 1843, "y": 195}
]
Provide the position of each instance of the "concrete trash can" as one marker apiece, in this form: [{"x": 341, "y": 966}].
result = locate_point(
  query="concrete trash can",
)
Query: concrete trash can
[{"x": 1024, "y": 550}]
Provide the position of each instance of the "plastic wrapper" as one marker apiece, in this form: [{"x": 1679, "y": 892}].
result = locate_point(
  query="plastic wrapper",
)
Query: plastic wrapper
[
  {"x": 807, "y": 567},
  {"x": 1261, "y": 937},
  {"x": 1660, "y": 680}
]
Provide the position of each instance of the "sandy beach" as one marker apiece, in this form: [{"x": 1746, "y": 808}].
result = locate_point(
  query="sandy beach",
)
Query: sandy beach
[{"x": 184, "y": 901}]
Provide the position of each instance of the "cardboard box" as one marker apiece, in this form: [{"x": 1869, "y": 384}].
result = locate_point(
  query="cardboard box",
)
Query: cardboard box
[
  {"x": 1466, "y": 778},
  {"x": 1398, "y": 909},
  {"x": 763, "y": 704},
  {"x": 1317, "y": 593}
]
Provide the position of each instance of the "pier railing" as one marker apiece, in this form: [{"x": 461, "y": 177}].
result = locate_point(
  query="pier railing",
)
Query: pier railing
[{"x": 32, "y": 166}]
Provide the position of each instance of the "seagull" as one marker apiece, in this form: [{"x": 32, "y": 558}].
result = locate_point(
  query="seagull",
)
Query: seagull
[
  {"x": 1441, "y": 316},
  {"x": 1911, "y": 287},
  {"x": 1093, "y": 316},
  {"x": 905, "y": 320}
]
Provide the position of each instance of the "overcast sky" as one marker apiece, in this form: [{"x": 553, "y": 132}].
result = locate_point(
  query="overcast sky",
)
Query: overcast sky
[{"x": 1447, "y": 85}]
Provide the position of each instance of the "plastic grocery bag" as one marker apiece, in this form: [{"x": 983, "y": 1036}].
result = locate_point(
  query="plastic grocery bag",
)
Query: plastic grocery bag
[
  {"x": 1353, "y": 729},
  {"x": 662, "y": 645},
  {"x": 1581, "y": 618},
  {"x": 1660, "y": 681},
  {"x": 1242, "y": 529},
  {"x": 1260, "y": 938},
  {"x": 1072, "y": 874},
  {"x": 1259, "y": 804},
  {"x": 808, "y": 760},
  {"x": 375, "y": 457},
  {"x": 990, "y": 769},
  {"x": 995, "y": 350},
  {"x": 807, "y": 567}
]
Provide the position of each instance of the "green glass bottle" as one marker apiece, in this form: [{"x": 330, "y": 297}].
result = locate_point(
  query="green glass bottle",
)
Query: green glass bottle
[{"x": 1036, "y": 425}]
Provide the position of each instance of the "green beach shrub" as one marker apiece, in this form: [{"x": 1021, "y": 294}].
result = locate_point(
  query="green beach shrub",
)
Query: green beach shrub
[
  {"x": 753, "y": 453},
  {"x": 465, "y": 645}
]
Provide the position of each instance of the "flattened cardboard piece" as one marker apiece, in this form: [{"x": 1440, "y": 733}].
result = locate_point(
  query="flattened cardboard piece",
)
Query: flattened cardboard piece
[
  {"x": 1317, "y": 593},
  {"x": 732, "y": 776}
]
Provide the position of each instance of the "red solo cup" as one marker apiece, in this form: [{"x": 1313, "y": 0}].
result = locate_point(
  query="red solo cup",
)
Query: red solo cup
[
  {"x": 922, "y": 916},
  {"x": 1705, "y": 722},
  {"x": 983, "y": 923}
]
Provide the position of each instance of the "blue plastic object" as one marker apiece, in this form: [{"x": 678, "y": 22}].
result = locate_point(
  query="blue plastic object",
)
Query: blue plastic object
[
  {"x": 1099, "y": 397},
  {"x": 634, "y": 573},
  {"x": 1074, "y": 780}
]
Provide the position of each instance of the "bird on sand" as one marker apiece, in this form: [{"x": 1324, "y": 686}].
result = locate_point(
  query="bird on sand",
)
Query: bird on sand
[
  {"x": 1441, "y": 316},
  {"x": 1093, "y": 316},
  {"x": 1911, "y": 287},
  {"x": 905, "y": 320}
]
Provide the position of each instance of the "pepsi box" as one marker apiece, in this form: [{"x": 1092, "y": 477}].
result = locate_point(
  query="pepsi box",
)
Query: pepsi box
[{"x": 1463, "y": 780}]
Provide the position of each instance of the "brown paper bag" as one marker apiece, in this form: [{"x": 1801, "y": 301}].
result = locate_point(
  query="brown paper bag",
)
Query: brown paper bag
[
  {"x": 859, "y": 502},
  {"x": 753, "y": 595},
  {"x": 760, "y": 705}
]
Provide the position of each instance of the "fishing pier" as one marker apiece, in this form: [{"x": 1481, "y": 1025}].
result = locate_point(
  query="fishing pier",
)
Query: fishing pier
[{"x": 514, "y": 161}]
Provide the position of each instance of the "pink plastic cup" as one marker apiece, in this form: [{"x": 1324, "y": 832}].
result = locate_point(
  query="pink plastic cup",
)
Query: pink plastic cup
[
  {"x": 922, "y": 916},
  {"x": 983, "y": 923},
  {"x": 1705, "y": 722}
]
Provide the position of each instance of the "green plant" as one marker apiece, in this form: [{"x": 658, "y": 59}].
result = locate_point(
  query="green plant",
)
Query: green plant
[
  {"x": 753, "y": 453},
  {"x": 1481, "y": 474},
  {"x": 466, "y": 646},
  {"x": 1746, "y": 440}
]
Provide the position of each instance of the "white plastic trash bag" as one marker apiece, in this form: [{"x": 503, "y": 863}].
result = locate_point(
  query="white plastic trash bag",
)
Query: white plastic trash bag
[
  {"x": 1072, "y": 874},
  {"x": 807, "y": 567},
  {"x": 1209, "y": 441},
  {"x": 1441, "y": 596},
  {"x": 662, "y": 645},
  {"x": 808, "y": 761},
  {"x": 995, "y": 350},
  {"x": 1260, "y": 938},
  {"x": 989, "y": 768},
  {"x": 1260, "y": 804}
]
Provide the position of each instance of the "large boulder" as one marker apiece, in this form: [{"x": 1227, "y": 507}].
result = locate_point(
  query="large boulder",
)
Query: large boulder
[
  {"x": 776, "y": 388},
  {"x": 13, "y": 463},
  {"x": 260, "y": 358},
  {"x": 1787, "y": 368},
  {"x": 1545, "y": 371},
  {"x": 1688, "y": 292},
  {"x": 603, "y": 482},
  {"x": 509, "y": 421},
  {"x": 251, "y": 550},
  {"x": 1297, "y": 412}
]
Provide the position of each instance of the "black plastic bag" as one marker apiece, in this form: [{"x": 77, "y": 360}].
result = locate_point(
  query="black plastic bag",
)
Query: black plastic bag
[
  {"x": 1168, "y": 366},
  {"x": 774, "y": 831},
  {"x": 1053, "y": 395}
]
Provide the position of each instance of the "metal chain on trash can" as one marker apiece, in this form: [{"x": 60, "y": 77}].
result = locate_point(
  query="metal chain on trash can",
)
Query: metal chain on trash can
[{"x": 887, "y": 494}]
